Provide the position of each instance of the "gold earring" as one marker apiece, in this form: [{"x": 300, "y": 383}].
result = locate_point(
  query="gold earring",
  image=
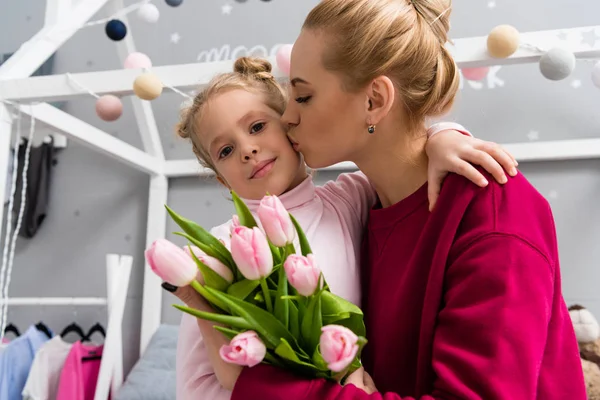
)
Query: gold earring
[{"x": 371, "y": 129}]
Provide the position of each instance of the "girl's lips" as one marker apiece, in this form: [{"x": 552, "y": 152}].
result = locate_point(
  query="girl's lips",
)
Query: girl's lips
[{"x": 262, "y": 168}]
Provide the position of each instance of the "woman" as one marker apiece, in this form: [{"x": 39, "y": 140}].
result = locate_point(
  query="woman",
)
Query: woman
[{"x": 472, "y": 307}]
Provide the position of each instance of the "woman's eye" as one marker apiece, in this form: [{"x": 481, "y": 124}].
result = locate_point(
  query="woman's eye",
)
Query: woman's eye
[
  {"x": 225, "y": 152},
  {"x": 259, "y": 126},
  {"x": 302, "y": 99}
]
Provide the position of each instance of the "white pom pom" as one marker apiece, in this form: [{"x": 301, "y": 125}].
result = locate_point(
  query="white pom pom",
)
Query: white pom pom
[
  {"x": 585, "y": 324},
  {"x": 149, "y": 13}
]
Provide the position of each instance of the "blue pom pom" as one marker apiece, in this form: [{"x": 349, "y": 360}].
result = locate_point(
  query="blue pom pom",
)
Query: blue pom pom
[
  {"x": 174, "y": 3},
  {"x": 116, "y": 30}
]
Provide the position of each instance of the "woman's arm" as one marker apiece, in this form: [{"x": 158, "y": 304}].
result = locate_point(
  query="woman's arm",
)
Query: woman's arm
[{"x": 490, "y": 338}]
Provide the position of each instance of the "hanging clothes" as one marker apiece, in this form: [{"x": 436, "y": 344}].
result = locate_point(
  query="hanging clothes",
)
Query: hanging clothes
[
  {"x": 38, "y": 185},
  {"x": 16, "y": 360},
  {"x": 80, "y": 372},
  {"x": 44, "y": 376}
]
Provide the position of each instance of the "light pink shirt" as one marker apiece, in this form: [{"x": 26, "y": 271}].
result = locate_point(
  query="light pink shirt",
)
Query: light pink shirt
[{"x": 333, "y": 217}]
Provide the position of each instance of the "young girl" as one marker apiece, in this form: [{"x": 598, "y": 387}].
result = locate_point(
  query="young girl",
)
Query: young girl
[{"x": 235, "y": 129}]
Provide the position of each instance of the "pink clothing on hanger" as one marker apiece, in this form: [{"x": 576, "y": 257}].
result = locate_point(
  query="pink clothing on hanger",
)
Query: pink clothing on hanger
[{"x": 80, "y": 373}]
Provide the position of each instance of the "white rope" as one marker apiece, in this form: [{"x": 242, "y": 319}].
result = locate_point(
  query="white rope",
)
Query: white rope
[
  {"x": 70, "y": 78},
  {"x": 13, "y": 188},
  {"x": 120, "y": 13},
  {"x": 187, "y": 96},
  {"x": 11, "y": 256}
]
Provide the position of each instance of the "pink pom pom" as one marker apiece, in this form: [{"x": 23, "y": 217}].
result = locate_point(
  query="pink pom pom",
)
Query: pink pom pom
[
  {"x": 109, "y": 107},
  {"x": 475, "y": 74},
  {"x": 283, "y": 58},
  {"x": 137, "y": 60}
]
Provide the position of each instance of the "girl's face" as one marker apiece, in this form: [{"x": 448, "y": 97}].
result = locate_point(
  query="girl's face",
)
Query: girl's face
[
  {"x": 326, "y": 123},
  {"x": 247, "y": 144}
]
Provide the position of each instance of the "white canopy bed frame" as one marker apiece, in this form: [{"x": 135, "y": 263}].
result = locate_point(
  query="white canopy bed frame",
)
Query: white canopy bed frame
[{"x": 65, "y": 17}]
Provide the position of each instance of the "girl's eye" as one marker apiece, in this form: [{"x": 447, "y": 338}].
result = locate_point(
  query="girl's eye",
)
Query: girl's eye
[
  {"x": 225, "y": 152},
  {"x": 259, "y": 126},
  {"x": 302, "y": 99}
]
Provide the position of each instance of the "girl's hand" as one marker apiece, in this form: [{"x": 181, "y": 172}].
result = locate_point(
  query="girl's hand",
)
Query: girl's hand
[
  {"x": 452, "y": 151},
  {"x": 362, "y": 380},
  {"x": 226, "y": 373}
]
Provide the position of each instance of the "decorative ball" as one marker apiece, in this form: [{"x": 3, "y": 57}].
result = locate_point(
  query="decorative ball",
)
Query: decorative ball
[
  {"x": 137, "y": 60},
  {"x": 283, "y": 58},
  {"x": 147, "y": 86},
  {"x": 596, "y": 74},
  {"x": 174, "y": 3},
  {"x": 109, "y": 107},
  {"x": 475, "y": 74},
  {"x": 116, "y": 30},
  {"x": 557, "y": 64},
  {"x": 149, "y": 13},
  {"x": 503, "y": 41}
]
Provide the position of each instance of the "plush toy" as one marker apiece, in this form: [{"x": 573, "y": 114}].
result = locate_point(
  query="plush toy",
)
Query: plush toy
[{"x": 587, "y": 331}]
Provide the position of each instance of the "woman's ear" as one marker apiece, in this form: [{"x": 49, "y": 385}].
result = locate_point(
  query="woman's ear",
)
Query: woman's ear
[{"x": 381, "y": 94}]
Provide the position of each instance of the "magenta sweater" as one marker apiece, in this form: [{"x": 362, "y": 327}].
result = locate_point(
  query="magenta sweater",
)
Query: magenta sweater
[{"x": 461, "y": 303}]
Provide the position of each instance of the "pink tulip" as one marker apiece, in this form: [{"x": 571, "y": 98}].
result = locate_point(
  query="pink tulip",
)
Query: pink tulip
[
  {"x": 211, "y": 262},
  {"x": 303, "y": 273},
  {"x": 244, "y": 349},
  {"x": 338, "y": 346},
  {"x": 171, "y": 263},
  {"x": 251, "y": 253},
  {"x": 276, "y": 221}
]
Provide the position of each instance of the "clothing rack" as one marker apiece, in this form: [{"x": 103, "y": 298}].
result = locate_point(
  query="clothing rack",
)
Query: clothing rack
[{"x": 118, "y": 274}]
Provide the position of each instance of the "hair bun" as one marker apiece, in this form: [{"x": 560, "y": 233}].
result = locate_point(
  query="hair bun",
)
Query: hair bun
[{"x": 258, "y": 67}]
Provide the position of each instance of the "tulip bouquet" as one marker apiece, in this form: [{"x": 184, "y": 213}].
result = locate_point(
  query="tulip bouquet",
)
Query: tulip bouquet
[{"x": 270, "y": 300}]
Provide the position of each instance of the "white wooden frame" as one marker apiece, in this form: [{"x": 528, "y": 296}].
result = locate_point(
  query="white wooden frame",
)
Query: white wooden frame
[
  {"x": 63, "y": 19},
  {"x": 118, "y": 273}
]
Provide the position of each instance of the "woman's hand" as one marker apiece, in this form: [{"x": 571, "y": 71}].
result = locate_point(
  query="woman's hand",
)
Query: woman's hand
[
  {"x": 452, "y": 151},
  {"x": 226, "y": 373},
  {"x": 362, "y": 380}
]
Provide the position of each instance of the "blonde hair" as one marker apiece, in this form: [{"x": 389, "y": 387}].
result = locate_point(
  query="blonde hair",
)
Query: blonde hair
[
  {"x": 251, "y": 74},
  {"x": 402, "y": 39}
]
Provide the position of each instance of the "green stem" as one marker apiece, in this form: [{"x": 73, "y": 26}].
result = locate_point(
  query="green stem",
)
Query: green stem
[{"x": 266, "y": 294}]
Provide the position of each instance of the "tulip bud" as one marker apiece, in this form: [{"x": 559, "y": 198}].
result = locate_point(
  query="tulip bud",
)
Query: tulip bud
[
  {"x": 339, "y": 346},
  {"x": 244, "y": 349},
  {"x": 171, "y": 263},
  {"x": 251, "y": 252},
  {"x": 210, "y": 262},
  {"x": 303, "y": 273},
  {"x": 276, "y": 221}
]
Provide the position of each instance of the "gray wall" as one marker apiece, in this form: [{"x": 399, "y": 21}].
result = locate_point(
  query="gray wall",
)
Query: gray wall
[{"x": 99, "y": 206}]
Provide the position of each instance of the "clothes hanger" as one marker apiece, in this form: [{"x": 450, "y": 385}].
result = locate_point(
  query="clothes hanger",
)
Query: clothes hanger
[
  {"x": 12, "y": 328},
  {"x": 40, "y": 326},
  {"x": 75, "y": 328},
  {"x": 95, "y": 328}
]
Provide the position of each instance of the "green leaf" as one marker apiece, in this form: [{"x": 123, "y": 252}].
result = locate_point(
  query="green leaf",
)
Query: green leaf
[
  {"x": 355, "y": 323},
  {"x": 285, "y": 351},
  {"x": 318, "y": 359},
  {"x": 333, "y": 304},
  {"x": 304, "y": 245},
  {"x": 261, "y": 321},
  {"x": 209, "y": 251},
  {"x": 282, "y": 307},
  {"x": 229, "y": 333},
  {"x": 275, "y": 253},
  {"x": 235, "y": 322},
  {"x": 211, "y": 278},
  {"x": 202, "y": 235},
  {"x": 243, "y": 212},
  {"x": 312, "y": 323},
  {"x": 216, "y": 302},
  {"x": 243, "y": 288},
  {"x": 271, "y": 359},
  {"x": 294, "y": 320}
]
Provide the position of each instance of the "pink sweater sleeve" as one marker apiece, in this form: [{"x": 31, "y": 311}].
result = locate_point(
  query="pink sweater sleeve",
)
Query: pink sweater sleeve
[
  {"x": 195, "y": 375},
  {"x": 354, "y": 190},
  {"x": 489, "y": 341}
]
